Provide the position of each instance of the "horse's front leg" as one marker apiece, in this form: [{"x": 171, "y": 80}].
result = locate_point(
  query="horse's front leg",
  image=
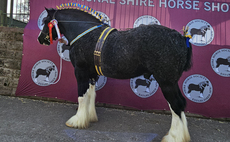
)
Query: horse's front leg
[
  {"x": 92, "y": 109},
  {"x": 81, "y": 119}
]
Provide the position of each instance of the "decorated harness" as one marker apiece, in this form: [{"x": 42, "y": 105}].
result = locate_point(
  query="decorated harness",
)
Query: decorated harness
[{"x": 101, "y": 40}]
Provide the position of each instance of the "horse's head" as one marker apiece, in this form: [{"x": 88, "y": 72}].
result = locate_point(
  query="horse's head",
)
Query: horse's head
[
  {"x": 72, "y": 22},
  {"x": 44, "y": 36},
  {"x": 205, "y": 28},
  {"x": 203, "y": 84},
  {"x": 50, "y": 68},
  {"x": 228, "y": 58}
]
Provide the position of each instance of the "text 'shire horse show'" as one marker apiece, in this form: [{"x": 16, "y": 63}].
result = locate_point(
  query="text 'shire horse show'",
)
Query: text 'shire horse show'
[{"x": 146, "y": 50}]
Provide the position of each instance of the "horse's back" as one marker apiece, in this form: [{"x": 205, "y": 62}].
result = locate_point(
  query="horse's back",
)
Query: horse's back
[{"x": 145, "y": 49}]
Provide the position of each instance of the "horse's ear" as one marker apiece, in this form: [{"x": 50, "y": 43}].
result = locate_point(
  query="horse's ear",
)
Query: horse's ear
[
  {"x": 47, "y": 10},
  {"x": 50, "y": 11}
]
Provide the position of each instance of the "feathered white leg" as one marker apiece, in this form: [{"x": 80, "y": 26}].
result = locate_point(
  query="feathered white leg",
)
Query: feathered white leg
[
  {"x": 92, "y": 110},
  {"x": 147, "y": 90},
  {"x": 179, "y": 130},
  {"x": 47, "y": 79},
  {"x": 81, "y": 119},
  {"x": 201, "y": 95}
]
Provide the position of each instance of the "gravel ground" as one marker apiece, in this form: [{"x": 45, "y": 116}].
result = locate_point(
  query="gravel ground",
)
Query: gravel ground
[{"x": 27, "y": 120}]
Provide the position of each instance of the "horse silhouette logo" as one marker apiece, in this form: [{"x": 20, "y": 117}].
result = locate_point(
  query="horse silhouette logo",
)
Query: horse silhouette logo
[
  {"x": 144, "y": 87},
  {"x": 63, "y": 50},
  {"x": 223, "y": 61},
  {"x": 197, "y": 88},
  {"x": 201, "y": 31},
  {"x": 220, "y": 62},
  {"x": 143, "y": 82},
  {"x": 44, "y": 73}
]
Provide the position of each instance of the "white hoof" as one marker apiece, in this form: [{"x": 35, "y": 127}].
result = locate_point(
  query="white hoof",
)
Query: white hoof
[
  {"x": 76, "y": 122},
  {"x": 168, "y": 138},
  {"x": 81, "y": 119},
  {"x": 179, "y": 130}
]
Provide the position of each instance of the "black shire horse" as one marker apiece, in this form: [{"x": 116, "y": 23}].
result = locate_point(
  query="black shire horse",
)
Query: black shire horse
[{"x": 146, "y": 50}]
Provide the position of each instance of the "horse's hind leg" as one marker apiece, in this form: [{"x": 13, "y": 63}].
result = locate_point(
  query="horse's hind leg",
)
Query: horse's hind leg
[{"x": 179, "y": 130}]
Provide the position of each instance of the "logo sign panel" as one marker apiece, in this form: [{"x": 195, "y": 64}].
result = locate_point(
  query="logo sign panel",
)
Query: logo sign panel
[
  {"x": 63, "y": 50},
  {"x": 201, "y": 31},
  {"x": 44, "y": 72},
  {"x": 40, "y": 19},
  {"x": 145, "y": 20},
  {"x": 220, "y": 62},
  {"x": 143, "y": 87},
  {"x": 100, "y": 82},
  {"x": 197, "y": 88}
]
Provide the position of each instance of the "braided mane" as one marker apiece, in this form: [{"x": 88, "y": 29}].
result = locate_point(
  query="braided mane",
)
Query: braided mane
[{"x": 82, "y": 8}]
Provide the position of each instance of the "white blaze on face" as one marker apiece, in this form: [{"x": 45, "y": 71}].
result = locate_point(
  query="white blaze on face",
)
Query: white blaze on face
[{"x": 40, "y": 33}]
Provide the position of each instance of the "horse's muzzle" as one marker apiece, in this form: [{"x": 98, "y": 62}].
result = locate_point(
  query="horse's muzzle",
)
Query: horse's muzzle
[{"x": 44, "y": 39}]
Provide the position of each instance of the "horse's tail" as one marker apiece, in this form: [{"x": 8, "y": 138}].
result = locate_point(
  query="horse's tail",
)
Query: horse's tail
[{"x": 188, "y": 64}]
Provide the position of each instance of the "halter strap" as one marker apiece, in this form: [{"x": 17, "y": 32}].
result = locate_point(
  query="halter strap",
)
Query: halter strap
[
  {"x": 98, "y": 48},
  {"x": 84, "y": 33}
]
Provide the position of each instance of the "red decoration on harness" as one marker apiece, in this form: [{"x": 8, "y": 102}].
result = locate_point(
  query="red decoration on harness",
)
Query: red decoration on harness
[{"x": 50, "y": 25}]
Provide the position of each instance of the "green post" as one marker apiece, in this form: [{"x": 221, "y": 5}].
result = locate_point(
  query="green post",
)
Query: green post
[
  {"x": 11, "y": 13},
  {"x": 3, "y": 6},
  {"x": 1, "y": 18}
]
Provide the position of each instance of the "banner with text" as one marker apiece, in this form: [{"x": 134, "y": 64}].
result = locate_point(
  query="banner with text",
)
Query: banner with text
[{"x": 205, "y": 86}]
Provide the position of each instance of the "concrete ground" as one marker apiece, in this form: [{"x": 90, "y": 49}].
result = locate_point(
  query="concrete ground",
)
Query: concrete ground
[{"x": 27, "y": 120}]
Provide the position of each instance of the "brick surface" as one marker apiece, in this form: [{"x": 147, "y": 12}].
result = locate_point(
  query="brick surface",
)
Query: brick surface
[
  {"x": 11, "y": 46},
  {"x": 3, "y": 44},
  {"x": 6, "y": 72}
]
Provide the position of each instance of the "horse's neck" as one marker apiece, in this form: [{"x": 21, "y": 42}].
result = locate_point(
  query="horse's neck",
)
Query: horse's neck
[
  {"x": 72, "y": 26},
  {"x": 71, "y": 31}
]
